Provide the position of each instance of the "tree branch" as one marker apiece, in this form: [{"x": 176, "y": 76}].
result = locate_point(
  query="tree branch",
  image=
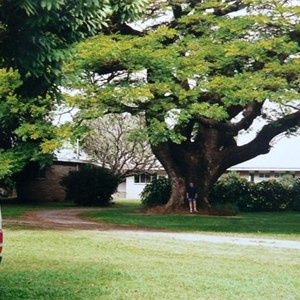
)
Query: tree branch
[
  {"x": 232, "y": 7},
  {"x": 251, "y": 112},
  {"x": 261, "y": 143}
]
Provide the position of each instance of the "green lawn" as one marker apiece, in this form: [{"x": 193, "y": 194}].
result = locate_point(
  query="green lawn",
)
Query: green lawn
[
  {"x": 91, "y": 265},
  {"x": 12, "y": 209},
  {"x": 281, "y": 224},
  {"x": 94, "y": 265}
]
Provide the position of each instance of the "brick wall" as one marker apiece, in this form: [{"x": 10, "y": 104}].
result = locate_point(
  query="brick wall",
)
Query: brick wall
[{"x": 45, "y": 187}]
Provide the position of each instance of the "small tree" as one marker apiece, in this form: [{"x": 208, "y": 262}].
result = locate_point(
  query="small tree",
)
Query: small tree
[{"x": 90, "y": 186}]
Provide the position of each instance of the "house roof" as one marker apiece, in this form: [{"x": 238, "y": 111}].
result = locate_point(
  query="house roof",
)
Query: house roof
[{"x": 260, "y": 169}]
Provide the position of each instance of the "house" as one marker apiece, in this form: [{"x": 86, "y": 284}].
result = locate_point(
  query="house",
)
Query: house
[
  {"x": 44, "y": 185},
  {"x": 134, "y": 185},
  {"x": 258, "y": 174}
]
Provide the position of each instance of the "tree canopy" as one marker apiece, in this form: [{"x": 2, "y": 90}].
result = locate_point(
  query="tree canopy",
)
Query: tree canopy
[
  {"x": 115, "y": 143},
  {"x": 35, "y": 39},
  {"x": 200, "y": 77}
]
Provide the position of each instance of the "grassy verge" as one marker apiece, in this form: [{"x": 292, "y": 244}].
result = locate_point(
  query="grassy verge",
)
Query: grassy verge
[
  {"x": 109, "y": 265},
  {"x": 284, "y": 224},
  {"x": 12, "y": 209}
]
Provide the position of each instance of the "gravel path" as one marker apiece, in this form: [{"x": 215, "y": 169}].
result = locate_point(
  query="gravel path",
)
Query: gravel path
[
  {"x": 68, "y": 219},
  {"x": 196, "y": 237}
]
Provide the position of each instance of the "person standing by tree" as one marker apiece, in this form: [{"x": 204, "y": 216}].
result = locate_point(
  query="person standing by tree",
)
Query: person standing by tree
[{"x": 191, "y": 194}]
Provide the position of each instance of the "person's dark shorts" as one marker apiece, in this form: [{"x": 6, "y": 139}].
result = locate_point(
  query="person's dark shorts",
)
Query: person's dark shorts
[{"x": 191, "y": 199}]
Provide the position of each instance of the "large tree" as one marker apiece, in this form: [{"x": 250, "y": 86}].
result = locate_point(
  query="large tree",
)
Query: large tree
[
  {"x": 114, "y": 142},
  {"x": 35, "y": 38},
  {"x": 200, "y": 78}
]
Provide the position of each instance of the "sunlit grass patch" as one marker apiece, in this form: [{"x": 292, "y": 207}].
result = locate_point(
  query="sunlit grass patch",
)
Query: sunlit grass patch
[{"x": 111, "y": 265}]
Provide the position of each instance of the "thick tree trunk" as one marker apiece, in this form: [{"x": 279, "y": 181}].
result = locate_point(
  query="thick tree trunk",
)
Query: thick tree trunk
[
  {"x": 178, "y": 193},
  {"x": 175, "y": 173},
  {"x": 211, "y": 150},
  {"x": 185, "y": 165}
]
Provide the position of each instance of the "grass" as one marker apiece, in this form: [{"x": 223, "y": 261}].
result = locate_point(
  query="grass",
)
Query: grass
[
  {"x": 281, "y": 224},
  {"x": 91, "y": 265},
  {"x": 13, "y": 209}
]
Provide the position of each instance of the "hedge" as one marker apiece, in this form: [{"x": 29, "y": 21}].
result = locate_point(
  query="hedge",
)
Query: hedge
[{"x": 90, "y": 186}]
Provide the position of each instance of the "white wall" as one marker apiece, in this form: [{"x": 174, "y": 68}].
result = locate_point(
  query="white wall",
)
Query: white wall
[
  {"x": 133, "y": 189},
  {"x": 121, "y": 191}
]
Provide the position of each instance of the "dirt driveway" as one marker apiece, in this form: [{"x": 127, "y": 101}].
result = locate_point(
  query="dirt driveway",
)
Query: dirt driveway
[
  {"x": 69, "y": 219},
  {"x": 66, "y": 219}
]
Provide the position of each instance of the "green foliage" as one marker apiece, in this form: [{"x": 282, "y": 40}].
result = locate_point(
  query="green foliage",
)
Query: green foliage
[
  {"x": 227, "y": 67},
  {"x": 38, "y": 34},
  {"x": 126, "y": 11},
  {"x": 200, "y": 80},
  {"x": 269, "y": 195},
  {"x": 25, "y": 133},
  {"x": 157, "y": 192},
  {"x": 232, "y": 190},
  {"x": 36, "y": 38},
  {"x": 294, "y": 193},
  {"x": 90, "y": 186}
]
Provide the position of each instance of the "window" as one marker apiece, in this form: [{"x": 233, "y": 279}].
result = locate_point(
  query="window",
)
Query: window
[
  {"x": 144, "y": 178},
  {"x": 264, "y": 175}
]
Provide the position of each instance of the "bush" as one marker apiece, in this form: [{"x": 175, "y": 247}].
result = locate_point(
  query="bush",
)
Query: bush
[
  {"x": 295, "y": 195},
  {"x": 157, "y": 192},
  {"x": 90, "y": 186},
  {"x": 269, "y": 195},
  {"x": 231, "y": 191}
]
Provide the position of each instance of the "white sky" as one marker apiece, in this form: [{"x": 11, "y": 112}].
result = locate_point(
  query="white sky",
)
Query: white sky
[{"x": 284, "y": 154}]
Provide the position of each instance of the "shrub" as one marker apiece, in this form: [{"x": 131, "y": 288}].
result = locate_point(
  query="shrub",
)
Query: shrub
[
  {"x": 295, "y": 196},
  {"x": 231, "y": 191},
  {"x": 157, "y": 192},
  {"x": 287, "y": 180},
  {"x": 90, "y": 186},
  {"x": 270, "y": 195}
]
